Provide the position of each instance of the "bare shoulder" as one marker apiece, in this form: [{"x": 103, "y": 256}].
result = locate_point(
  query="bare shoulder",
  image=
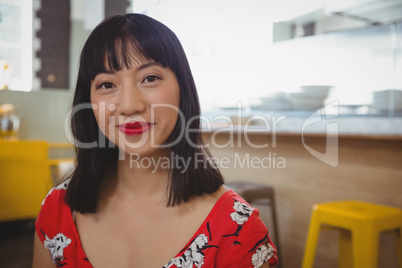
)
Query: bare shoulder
[
  {"x": 41, "y": 256},
  {"x": 223, "y": 189},
  {"x": 202, "y": 205},
  {"x": 214, "y": 197},
  {"x": 265, "y": 265}
]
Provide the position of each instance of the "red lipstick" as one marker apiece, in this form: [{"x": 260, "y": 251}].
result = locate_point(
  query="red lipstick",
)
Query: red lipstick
[{"x": 135, "y": 128}]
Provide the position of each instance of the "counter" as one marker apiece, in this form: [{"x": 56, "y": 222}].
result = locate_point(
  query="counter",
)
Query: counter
[
  {"x": 369, "y": 168},
  {"x": 301, "y": 122}
]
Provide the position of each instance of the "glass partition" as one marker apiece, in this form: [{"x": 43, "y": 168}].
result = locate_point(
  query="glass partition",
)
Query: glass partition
[
  {"x": 16, "y": 44},
  {"x": 362, "y": 69}
]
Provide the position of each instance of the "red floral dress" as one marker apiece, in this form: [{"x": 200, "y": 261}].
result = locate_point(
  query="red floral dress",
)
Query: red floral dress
[{"x": 232, "y": 235}]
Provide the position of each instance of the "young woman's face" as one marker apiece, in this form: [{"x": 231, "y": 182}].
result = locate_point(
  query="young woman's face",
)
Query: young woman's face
[{"x": 136, "y": 108}]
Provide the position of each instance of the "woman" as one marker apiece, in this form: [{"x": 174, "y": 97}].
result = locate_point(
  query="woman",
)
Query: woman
[{"x": 143, "y": 193}]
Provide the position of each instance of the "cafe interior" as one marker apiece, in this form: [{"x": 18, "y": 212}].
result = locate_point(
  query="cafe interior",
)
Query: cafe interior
[{"x": 301, "y": 109}]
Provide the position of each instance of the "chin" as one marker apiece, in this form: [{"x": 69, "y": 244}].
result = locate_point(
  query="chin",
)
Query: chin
[{"x": 143, "y": 152}]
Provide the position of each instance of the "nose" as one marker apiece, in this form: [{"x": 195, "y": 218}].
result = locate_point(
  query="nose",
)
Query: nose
[{"x": 131, "y": 101}]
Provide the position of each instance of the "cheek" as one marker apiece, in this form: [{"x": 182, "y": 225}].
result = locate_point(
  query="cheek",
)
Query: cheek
[
  {"x": 101, "y": 113},
  {"x": 95, "y": 109},
  {"x": 174, "y": 98},
  {"x": 171, "y": 99},
  {"x": 165, "y": 115},
  {"x": 170, "y": 94}
]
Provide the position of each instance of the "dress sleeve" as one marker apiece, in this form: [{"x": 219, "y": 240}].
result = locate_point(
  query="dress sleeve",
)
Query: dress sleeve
[
  {"x": 52, "y": 225},
  {"x": 43, "y": 222},
  {"x": 251, "y": 248},
  {"x": 53, "y": 211}
]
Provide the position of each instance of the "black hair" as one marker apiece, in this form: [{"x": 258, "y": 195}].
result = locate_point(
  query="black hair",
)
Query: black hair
[{"x": 115, "y": 41}]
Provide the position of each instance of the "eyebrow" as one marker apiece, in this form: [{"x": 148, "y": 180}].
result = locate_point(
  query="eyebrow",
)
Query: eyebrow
[
  {"x": 107, "y": 72},
  {"x": 149, "y": 64},
  {"x": 139, "y": 68}
]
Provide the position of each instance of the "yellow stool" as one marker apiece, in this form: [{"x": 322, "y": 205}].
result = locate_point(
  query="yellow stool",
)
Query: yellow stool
[{"x": 365, "y": 222}]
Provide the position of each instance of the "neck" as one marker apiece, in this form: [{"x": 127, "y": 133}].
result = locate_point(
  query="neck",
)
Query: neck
[{"x": 143, "y": 176}]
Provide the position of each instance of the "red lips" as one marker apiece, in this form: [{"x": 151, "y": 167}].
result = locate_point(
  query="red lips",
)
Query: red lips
[{"x": 135, "y": 128}]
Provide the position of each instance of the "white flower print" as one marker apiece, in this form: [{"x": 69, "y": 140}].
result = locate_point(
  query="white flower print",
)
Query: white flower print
[
  {"x": 192, "y": 255},
  {"x": 242, "y": 213},
  {"x": 63, "y": 186},
  {"x": 51, "y": 190},
  {"x": 56, "y": 246},
  {"x": 262, "y": 254}
]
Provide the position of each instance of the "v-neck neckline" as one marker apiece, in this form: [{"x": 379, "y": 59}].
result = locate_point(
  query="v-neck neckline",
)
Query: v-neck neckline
[{"x": 214, "y": 209}]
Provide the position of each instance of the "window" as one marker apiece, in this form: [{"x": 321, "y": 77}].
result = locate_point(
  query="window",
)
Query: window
[
  {"x": 227, "y": 44},
  {"x": 16, "y": 44}
]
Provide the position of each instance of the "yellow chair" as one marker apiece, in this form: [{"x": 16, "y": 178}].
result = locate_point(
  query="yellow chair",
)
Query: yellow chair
[
  {"x": 365, "y": 221},
  {"x": 25, "y": 177}
]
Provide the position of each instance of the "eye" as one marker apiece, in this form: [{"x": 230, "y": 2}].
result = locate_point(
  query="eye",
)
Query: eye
[
  {"x": 106, "y": 85},
  {"x": 150, "y": 79}
]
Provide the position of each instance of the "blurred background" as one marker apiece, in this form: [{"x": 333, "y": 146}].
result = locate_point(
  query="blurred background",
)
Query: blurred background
[
  {"x": 261, "y": 57},
  {"x": 293, "y": 77}
]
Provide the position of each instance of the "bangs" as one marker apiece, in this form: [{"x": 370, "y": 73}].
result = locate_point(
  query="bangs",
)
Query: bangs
[
  {"x": 126, "y": 40},
  {"x": 122, "y": 54}
]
